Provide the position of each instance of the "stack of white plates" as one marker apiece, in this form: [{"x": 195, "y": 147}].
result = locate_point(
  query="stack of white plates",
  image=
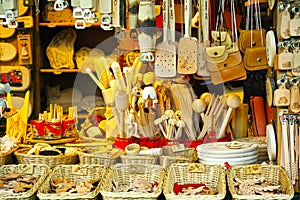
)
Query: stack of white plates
[
  {"x": 219, "y": 153},
  {"x": 262, "y": 146}
]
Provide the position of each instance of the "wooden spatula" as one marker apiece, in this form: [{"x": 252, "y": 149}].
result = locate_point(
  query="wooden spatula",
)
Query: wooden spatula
[
  {"x": 187, "y": 46},
  {"x": 165, "y": 57}
]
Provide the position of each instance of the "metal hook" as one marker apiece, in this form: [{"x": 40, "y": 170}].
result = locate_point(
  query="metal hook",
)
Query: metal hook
[{"x": 282, "y": 80}]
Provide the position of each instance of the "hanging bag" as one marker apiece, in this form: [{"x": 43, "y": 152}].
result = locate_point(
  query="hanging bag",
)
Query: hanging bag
[
  {"x": 252, "y": 37},
  {"x": 255, "y": 57},
  {"x": 225, "y": 64},
  {"x": 220, "y": 36}
]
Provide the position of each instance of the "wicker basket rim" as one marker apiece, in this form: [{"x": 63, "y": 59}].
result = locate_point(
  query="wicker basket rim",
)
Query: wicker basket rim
[
  {"x": 17, "y": 153},
  {"x": 9, "y": 151}
]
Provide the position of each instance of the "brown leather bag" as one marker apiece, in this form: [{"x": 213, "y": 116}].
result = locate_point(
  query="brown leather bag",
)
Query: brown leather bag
[
  {"x": 256, "y": 58},
  {"x": 252, "y": 38},
  {"x": 232, "y": 69}
]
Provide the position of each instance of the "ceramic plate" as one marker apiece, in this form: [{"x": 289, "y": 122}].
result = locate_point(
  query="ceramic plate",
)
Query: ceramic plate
[
  {"x": 18, "y": 103},
  {"x": 231, "y": 163},
  {"x": 221, "y": 148},
  {"x": 271, "y": 142},
  {"x": 211, "y": 155},
  {"x": 225, "y": 159}
]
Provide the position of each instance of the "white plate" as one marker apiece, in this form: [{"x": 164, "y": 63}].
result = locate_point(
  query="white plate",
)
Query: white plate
[
  {"x": 225, "y": 159},
  {"x": 270, "y": 47},
  {"x": 231, "y": 163},
  {"x": 18, "y": 102},
  {"x": 221, "y": 148},
  {"x": 271, "y": 142},
  {"x": 210, "y": 155}
]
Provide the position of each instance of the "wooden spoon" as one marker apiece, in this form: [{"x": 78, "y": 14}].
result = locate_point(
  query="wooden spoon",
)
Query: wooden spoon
[{"x": 233, "y": 101}]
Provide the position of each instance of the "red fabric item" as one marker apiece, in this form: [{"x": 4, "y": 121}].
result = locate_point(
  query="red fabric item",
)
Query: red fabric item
[
  {"x": 209, "y": 137},
  {"x": 144, "y": 141},
  {"x": 159, "y": 20},
  {"x": 177, "y": 188},
  {"x": 54, "y": 127},
  {"x": 39, "y": 126}
]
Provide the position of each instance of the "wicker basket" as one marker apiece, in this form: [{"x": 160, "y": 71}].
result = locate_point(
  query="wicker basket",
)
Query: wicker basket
[
  {"x": 213, "y": 176},
  {"x": 101, "y": 159},
  {"x": 51, "y": 161},
  {"x": 126, "y": 172},
  {"x": 168, "y": 151},
  {"x": 139, "y": 159},
  {"x": 7, "y": 157},
  {"x": 34, "y": 169},
  {"x": 74, "y": 172},
  {"x": 188, "y": 155},
  {"x": 93, "y": 146},
  {"x": 273, "y": 173}
]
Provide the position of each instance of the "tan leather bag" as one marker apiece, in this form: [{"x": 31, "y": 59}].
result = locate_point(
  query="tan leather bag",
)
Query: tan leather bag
[
  {"x": 232, "y": 69},
  {"x": 255, "y": 59},
  {"x": 252, "y": 38},
  {"x": 216, "y": 54},
  {"x": 221, "y": 38}
]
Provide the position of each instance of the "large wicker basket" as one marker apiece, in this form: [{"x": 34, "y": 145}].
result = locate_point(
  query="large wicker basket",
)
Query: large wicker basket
[
  {"x": 34, "y": 169},
  {"x": 273, "y": 173},
  {"x": 7, "y": 157},
  {"x": 213, "y": 176},
  {"x": 51, "y": 161},
  {"x": 74, "y": 172},
  {"x": 126, "y": 172}
]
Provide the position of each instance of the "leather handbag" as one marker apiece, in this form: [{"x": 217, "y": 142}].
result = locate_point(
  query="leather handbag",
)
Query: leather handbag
[
  {"x": 251, "y": 37},
  {"x": 255, "y": 59},
  {"x": 232, "y": 69},
  {"x": 220, "y": 36},
  {"x": 216, "y": 54}
]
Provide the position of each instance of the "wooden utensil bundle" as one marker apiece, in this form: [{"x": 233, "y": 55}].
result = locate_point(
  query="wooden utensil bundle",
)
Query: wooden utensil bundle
[
  {"x": 289, "y": 149},
  {"x": 213, "y": 114}
]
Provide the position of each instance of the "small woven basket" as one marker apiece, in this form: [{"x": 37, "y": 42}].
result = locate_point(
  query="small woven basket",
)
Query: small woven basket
[
  {"x": 139, "y": 159},
  {"x": 126, "y": 172},
  {"x": 7, "y": 157},
  {"x": 33, "y": 169},
  {"x": 188, "y": 155},
  {"x": 101, "y": 159},
  {"x": 74, "y": 172},
  {"x": 51, "y": 161},
  {"x": 273, "y": 173},
  {"x": 213, "y": 176},
  {"x": 168, "y": 151}
]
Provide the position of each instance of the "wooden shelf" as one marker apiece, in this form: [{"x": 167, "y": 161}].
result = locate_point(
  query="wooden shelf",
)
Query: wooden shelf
[
  {"x": 59, "y": 71},
  {"x": 53, "y": 25}
]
